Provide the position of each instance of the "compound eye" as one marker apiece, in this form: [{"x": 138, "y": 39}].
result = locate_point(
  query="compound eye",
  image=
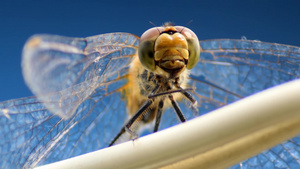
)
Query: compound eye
[
  {"x": 193, "y": 45},
  {"x": 146, "y": 47}
]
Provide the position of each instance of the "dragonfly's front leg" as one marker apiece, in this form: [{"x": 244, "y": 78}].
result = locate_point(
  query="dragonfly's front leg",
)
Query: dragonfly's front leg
[
  {"x": 144, "y": 107},
  {"x": 177, "y": 109},
  {"x": 158, "y": 115},
  {"x": 188, "y": 96}
]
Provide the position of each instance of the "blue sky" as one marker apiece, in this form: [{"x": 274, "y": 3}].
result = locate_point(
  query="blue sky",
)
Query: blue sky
[{"x": 271, "y": 21}]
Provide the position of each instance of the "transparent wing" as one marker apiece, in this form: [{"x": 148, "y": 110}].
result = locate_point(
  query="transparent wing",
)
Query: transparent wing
[
  {"x": 72, "y": 68},
  {"x": 232, "y": 69},
  {"x": 72, "y": 77}
]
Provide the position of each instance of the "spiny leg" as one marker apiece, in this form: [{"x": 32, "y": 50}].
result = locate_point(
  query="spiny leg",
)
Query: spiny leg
[
  {"x": 133, "y": 119},
  {"x": 137, "y": 115},
  {"x": 188, "y": 96},
  {"x": 184, "y": 92},
  {"x": 158, "y": 115},
  {"x": 181, "y": 90},
  {"x": 170, "y": 92},
  {"x": 193, "y": 106},
  {"x": 117, "y": 136},
  {"x": 177, "y": 109}
]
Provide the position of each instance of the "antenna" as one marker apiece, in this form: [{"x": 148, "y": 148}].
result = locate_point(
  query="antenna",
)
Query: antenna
[
  {"x": 152, "y": 23},
  {"x": 189, "y": 22}
]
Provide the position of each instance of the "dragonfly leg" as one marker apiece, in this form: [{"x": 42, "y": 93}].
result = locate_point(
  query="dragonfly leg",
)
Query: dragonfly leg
[
  {"x": 177, "y": 109},
  {"x": 191, "y": 98},
  {"x": 169, "y": 92},
  {"x": 158, "y": 115},
  {"x": 188, "y": 96},
  {"x": 117, "y": 136},
  {"x": 131, "y": 121},
  {"x": 137, "y": 114}
]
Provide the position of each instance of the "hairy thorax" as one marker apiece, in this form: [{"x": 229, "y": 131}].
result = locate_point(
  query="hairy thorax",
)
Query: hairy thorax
[{"x": 140, "y": 84}]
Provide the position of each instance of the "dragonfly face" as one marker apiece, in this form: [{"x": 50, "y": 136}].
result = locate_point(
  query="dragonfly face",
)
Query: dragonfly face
[
  {"x": 169, "y": 49},
  {"x": 77, "y": 83}
]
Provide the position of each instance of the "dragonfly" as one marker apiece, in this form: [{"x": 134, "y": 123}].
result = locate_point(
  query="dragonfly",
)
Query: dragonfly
[{"x": 81, "y": 103}]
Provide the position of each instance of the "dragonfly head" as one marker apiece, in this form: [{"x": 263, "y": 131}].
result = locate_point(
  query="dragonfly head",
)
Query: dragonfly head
[{"x": 169, "y": 49}]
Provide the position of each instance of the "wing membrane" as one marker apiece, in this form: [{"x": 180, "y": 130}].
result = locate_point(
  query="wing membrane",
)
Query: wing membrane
[
  {"x": 245, "y": 67},
  {"x": 53, "y": 63}
]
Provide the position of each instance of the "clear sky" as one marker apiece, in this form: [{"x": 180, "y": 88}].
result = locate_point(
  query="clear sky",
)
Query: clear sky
[{"x": 271, "y": 21}]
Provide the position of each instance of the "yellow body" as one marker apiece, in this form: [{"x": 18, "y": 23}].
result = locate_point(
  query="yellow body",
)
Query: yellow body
[{"x": 133, "y": 92}]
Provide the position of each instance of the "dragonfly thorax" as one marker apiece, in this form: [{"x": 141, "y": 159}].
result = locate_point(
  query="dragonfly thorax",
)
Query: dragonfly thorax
[{"x": 143, "y": 81}]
